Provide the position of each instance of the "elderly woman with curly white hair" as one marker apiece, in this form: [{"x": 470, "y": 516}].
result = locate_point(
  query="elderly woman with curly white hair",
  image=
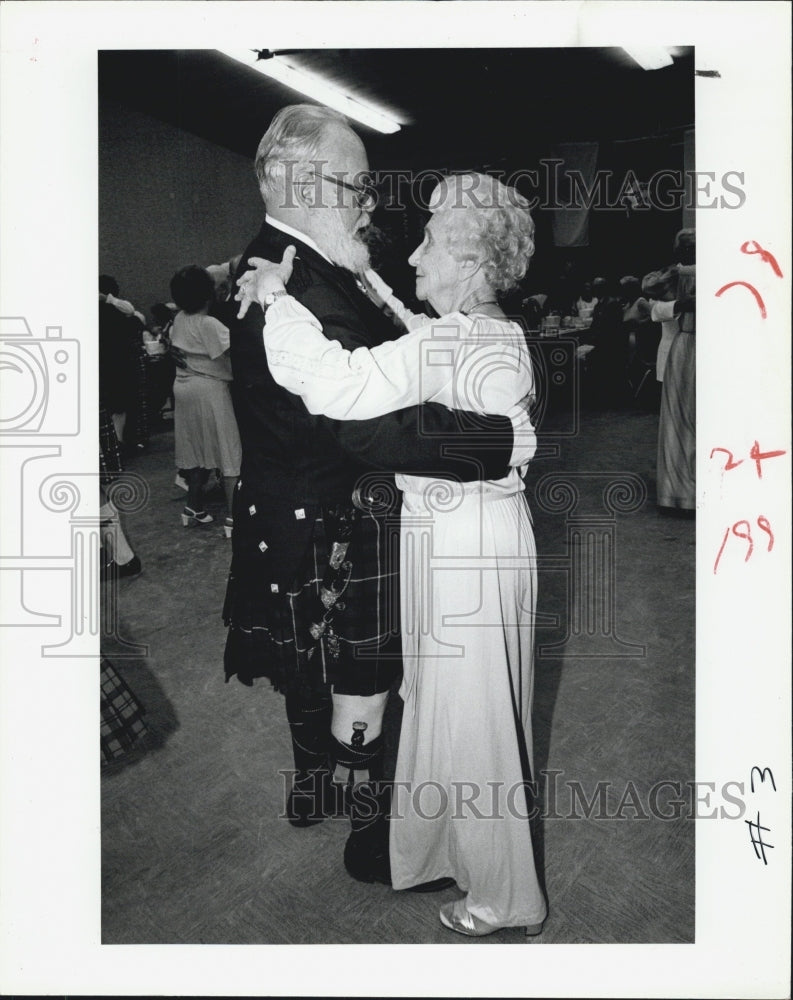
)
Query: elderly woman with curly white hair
[{"x": 468, "y": 559}]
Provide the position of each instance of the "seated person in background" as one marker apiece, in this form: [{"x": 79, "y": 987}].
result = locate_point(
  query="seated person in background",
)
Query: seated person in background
[{"x": 586, "y": 302}]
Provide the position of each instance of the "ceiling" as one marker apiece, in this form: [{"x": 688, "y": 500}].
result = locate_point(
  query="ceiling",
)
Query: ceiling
[{"x": 456, "y": 103}]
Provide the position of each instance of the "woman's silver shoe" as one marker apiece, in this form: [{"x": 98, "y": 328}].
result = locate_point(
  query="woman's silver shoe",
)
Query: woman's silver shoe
[{"x": 457, "y": 918}]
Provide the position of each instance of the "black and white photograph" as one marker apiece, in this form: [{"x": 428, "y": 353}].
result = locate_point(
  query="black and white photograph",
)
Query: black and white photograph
[
  {"x": 431, "y": 575},
  {"x": 393, "y": 559}
]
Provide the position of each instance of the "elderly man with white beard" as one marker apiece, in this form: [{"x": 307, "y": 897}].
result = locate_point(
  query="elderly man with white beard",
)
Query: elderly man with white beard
[{"x": 313, "y": 592}]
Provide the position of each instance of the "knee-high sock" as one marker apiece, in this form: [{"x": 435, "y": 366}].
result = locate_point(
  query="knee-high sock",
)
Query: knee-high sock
[
  {"x": 309, "y": 724},
  {"x": 357, "y": 742}
]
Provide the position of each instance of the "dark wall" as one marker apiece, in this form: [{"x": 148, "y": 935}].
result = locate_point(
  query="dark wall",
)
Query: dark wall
[{"x": 167, "y": 198}]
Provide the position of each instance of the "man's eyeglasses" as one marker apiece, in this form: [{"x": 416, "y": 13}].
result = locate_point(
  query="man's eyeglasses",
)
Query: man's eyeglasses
[{"x": 365, "y": 197}]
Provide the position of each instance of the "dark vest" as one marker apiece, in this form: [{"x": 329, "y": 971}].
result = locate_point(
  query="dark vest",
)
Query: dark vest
[{"x": 287, "y": 452}]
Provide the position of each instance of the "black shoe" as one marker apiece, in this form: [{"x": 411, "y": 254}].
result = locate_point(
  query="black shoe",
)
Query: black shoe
[
  {"x": 131, "y": 568},
  {"x": 314, "y": 797},
  {"x": 366, "y": 854},
  {"x": 366, "y": 851}
]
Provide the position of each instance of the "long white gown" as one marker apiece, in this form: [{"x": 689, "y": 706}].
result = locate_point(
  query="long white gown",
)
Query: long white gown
[{"x": 468, "y": 591}]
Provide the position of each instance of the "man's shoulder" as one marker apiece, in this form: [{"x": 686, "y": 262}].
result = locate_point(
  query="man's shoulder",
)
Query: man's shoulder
[{"x": 308, "y": 274}]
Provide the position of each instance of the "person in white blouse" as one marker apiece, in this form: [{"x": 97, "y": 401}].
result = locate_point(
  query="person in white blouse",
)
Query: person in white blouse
[{"x": 468, "y": 559}]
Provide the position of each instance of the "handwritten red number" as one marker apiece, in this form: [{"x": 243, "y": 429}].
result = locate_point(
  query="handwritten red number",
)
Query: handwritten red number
[
  {"x": 747, "y": 537},
  {"x": 757, "y": 456},
  {"x": 730, "y": 463},
  {"x": 762, "y": 523},
  {"x": 765, "y": 255},
  {"x": 752, "y": 289},
  {"x": 723, "y": 543}
]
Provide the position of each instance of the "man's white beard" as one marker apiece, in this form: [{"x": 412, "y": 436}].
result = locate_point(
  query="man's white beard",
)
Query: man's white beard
[{"x": 341, "y": 247}]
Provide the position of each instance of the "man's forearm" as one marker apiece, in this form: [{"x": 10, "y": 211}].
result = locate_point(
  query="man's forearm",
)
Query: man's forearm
[{"x": 430, "y": 440}]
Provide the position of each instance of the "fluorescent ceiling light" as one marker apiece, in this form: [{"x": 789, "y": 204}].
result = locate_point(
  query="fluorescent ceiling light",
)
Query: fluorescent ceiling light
[
  {"x": 649, "y": 56},
  {"x": 313, "y": 86}
]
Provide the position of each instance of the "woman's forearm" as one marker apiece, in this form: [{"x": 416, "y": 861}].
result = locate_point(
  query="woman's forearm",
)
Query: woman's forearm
[
  {"x": 410, "y": 319},
  {"x": 343, "y": 384},
  {"x": 436, "y": 362}
]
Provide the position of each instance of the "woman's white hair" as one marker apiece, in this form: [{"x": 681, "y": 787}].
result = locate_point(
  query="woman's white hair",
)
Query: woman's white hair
[
  {"x": 295, "y": 134},
  {"x": 488, "y": 222}
]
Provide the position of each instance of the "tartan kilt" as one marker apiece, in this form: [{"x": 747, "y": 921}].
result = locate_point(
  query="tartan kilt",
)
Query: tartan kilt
[
  {"x": 270, "y": 633},
  {"x": 121, "y": 715}
]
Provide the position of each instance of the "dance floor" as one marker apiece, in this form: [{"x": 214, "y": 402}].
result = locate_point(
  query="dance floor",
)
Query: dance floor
[{"x": 193, "y": 850}]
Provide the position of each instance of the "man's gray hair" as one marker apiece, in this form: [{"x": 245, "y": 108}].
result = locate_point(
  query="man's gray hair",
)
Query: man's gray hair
[{"x": 294, "y": 135}]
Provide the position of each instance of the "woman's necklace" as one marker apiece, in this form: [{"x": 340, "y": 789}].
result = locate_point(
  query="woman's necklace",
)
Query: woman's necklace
[{"x": 484, "y": 302}]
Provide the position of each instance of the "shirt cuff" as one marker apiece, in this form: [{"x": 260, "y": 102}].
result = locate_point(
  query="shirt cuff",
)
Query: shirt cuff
[{"x": 286, "y": 308}]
